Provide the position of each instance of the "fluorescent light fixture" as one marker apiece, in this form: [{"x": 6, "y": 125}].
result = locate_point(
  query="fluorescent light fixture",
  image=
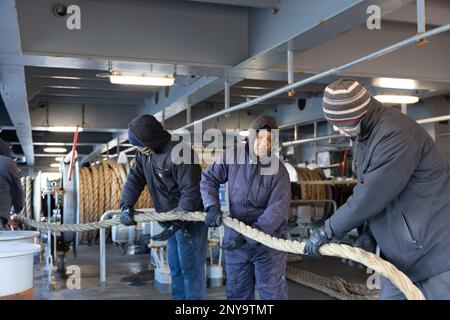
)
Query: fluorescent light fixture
[
  {"x": 244, "y": 133},
  {"x": 64, "y": 129},
  {"x": 54, "y": 165},
  {"x": 143, "y": 79},
  {"x": 396, "y": 99},
  {"x": 55, "y": 150},
  {"x": 395, "y": 83},
  {"x": 59, "y": 159}
]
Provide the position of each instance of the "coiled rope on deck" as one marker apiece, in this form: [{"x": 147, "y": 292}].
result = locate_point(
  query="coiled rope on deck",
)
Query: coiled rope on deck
[{"x": 384, "y": 268}]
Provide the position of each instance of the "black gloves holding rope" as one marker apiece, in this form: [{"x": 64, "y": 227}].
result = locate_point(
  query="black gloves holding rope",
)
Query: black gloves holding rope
[
  {"x": 315, "y": 241},
  {"x": 170, "y": 227},
  {"x": 127, "y": 215},
  {"x": 213, "y": 216}
]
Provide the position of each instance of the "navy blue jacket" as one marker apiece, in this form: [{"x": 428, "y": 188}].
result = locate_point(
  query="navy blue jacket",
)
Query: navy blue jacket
[
  {"x": 171, "y": 186},
  {"x": 261, "y": 201},
  {"x": 11, "y": 193}
]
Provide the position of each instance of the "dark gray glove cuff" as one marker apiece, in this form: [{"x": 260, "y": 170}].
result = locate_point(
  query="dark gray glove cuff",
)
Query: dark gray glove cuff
[{"x": 328, "y": 229}]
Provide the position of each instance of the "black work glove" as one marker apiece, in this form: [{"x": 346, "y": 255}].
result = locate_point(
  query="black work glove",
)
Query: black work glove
[
  {"x": 315, "y": 241},
  {"x": 169, "y": 230},
  {"x": 234, "y": 243},
  {"x": 127, "y": 216},
  {"x": 213, "y": 216},
  {"x": 170, "y": 227}
]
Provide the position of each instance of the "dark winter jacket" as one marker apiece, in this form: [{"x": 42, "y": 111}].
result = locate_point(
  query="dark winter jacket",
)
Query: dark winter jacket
[
  {"x": 171, "y": 186},
  {"x": 403, "y": 192},
  {"x": 11, "y": 194}
]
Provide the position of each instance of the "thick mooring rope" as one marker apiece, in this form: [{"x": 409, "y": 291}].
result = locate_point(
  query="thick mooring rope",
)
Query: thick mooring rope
[
  {"x": 335, "y": 287},
  {"x": 384, "y": 268}
]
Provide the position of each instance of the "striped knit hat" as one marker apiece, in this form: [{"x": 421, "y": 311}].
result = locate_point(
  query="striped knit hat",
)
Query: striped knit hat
[{"x": 345, "y": 102}]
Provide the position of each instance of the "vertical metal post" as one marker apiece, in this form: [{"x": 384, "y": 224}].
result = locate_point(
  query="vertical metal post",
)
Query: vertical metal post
[
  {"x": 295, "y": 133},
  {"x": 290, "y": 71},
  {"x": 49, "y": 259},
  {"x": 315, "y": 132},
  {"x": 188, "y": 114},
  {"x": 106, "y": 215},
  {"x": 404, "y": 108},
  {"x": 102, "y": 257},
  {"x": 227, "y": 96},
  {"x": 163, "y": 120},
  {"x": 421, "y": 20}
]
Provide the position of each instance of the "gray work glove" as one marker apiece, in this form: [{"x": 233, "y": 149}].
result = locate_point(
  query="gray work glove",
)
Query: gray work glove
[{"x": 315, "y": 241}]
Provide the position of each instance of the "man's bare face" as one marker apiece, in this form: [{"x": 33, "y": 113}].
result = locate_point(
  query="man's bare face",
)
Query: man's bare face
[{"x": 263, "y": 143}]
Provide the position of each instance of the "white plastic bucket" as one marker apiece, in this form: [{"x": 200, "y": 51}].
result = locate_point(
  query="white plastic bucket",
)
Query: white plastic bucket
[
  {"x": 16, "y": 267},
  {"x": 19, "y": 236}
]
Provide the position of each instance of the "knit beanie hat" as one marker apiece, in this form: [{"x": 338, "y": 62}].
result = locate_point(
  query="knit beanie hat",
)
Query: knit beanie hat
[
  {"x": 146, "y": 131},
  {"x": 345, "y": 103}
]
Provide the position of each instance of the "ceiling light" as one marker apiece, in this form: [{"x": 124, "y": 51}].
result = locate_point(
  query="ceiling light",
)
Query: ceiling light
[
  {"x": 54, "y": 143},
  {"x": 395, "y": 83},
  {"x": 244, "y": 133},
  {"x": 55, "y": 150},
  {"x": 396, "y": 99},
  {"x": 149, "y": 79},
  {"x": 54, "y": 165},
  {"x": 64, "y": 129},
  {"x": 59, "y": 159}
]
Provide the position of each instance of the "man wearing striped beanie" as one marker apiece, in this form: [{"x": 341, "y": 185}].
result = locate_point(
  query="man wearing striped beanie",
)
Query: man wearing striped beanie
[
  {"x": 345, "y": 104},
  {"x": 402, "y": 192}
]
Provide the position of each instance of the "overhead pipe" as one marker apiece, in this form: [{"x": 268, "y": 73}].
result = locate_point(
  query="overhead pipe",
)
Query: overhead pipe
[
  {"x": 321, "y": 75},
  {"x": 308, "y": 140},
  {"x": 434, "y": 119}
]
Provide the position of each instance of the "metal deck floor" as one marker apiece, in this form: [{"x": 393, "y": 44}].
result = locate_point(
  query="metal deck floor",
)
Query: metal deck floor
[{"x": 131, "y": 277}]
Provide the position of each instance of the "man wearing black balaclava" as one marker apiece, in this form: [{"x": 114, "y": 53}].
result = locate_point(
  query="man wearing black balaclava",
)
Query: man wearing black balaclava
[
  {"x": 11, "y": 192},
  {"x": 172, "y": 186}
]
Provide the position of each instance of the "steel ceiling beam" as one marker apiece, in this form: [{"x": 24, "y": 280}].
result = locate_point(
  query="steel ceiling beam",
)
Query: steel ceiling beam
[
  {"x": 12, "y": 79},
  {"x": 264, "y": 4}
]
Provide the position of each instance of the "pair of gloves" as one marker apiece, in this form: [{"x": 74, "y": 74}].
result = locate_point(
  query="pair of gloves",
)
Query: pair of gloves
[
  {"x": 170, "y": 227},
  {"x": 213, "y": 219}
]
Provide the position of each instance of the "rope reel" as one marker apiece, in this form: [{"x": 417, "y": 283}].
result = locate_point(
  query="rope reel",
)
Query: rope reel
[{"x": 100, "y": 190}]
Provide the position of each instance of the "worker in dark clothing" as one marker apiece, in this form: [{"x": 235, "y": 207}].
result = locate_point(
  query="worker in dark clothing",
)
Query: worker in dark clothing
[
  {"x": 172, "y": 186},
  {"x": 403, "y": 190},
  {"x": 11, "y": 193},
  {"x": 259, "y": 199}
]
